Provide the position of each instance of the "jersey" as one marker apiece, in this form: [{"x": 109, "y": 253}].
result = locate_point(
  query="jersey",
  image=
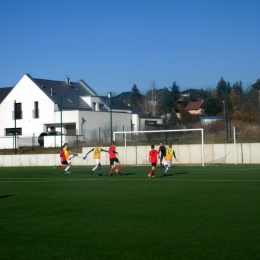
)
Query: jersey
[
  {"x": 169, "y": 154},
  {"x": 162, "y": 149},
  {"x": 64, "y": 154},
  {"x": 97, "y": 152},
  {"x": 153, "y": 154},
  {"x": 112, "y": 151}
]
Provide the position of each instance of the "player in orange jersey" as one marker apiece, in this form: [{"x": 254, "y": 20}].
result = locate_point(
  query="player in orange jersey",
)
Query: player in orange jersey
[{"x": 66, "y": 156}]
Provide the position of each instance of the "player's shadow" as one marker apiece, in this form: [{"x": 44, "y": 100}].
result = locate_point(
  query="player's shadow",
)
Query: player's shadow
[
  {"x": 172, "y": 174},
  {"x": 82, "y": 172},
  {"x": 127, "y": 173},
  {"x": 5, "y": 196}
]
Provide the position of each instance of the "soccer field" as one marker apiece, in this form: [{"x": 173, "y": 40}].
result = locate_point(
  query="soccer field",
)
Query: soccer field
[{"x": 194, "y": 212}]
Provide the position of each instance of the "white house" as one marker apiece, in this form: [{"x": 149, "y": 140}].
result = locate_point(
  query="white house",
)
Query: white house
[{"x": 40, "y": 104}]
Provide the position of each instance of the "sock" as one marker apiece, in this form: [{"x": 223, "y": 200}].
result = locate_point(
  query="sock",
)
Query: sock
[
  {"x": 119, "y": 167},
  {"x": 152, "y": 172},
  {"x": 94, "y": 168},
  {"x": 99, "y": 168},
  {"x": 166, "y": 169},
  {"x": 67, "y": 168},
  {"x": 111, "y": 170},
  {"x": 59, "y": 166}
]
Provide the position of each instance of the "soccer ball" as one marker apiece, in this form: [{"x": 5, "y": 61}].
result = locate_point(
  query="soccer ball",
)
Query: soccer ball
[{"x": 116, "y": 170}]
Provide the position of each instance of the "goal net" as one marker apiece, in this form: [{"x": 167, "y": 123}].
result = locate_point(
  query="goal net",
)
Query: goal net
[{"x": 176, "y": 137}]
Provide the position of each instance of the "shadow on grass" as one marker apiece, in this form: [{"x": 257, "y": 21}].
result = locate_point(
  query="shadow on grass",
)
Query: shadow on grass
[
  {"x": 5, "y": 196},
  {"x": 82, "y": 172},
  {"x": 128, "y": 173},
  {"x": 172, "y": 174}
]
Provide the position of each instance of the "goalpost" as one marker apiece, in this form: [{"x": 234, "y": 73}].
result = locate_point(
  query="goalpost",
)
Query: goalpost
[{"x": 163, "y": 131}]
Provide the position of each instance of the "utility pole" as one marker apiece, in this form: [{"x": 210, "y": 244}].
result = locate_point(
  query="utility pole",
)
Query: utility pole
[
  {"x": 226, "y": 111},
  {"x": 165, "y": 118}
]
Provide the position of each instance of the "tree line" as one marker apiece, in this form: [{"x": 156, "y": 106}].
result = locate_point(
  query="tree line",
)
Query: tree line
[{"x": 239, "y": 102}]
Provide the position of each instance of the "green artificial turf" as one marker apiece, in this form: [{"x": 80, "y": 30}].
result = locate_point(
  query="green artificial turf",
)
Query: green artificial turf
[{"x": 194, "y": 212}]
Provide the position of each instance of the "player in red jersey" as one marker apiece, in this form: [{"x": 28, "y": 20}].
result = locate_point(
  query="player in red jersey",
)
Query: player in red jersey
[
  {"x": 113, "y": 159},
  {"x": 153, "y": 156}
]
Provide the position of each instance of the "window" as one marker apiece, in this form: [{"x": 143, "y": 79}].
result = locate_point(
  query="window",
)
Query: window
[
  {"x": 18, "y": 113},
  {"x": 36, "y": 113},
  {"x": 11, "y": 131}
]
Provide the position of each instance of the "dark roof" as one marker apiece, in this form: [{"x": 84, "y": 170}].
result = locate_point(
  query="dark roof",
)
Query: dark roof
[
  {"x": 4, "y": 92},
  {"x": 194, "y": 105},
  {"x": 116, "y": 103},
  {"x": 124, "y": 95},
  {"x": 70, "y": 92},
  {"x": 187, "y": 91}
]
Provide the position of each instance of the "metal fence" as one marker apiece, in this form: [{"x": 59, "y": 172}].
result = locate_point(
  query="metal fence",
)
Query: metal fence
[{"x": 213, "y": 133}]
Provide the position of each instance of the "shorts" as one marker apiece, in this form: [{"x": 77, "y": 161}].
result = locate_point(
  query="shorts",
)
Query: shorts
[
  {"x": 113, "y": 161},
  {"x": 97, "y": 161},
  {"x": 66, "y": 162},
  {"x": 169, "y": 163},
  {"x": 154, "y": 164},
  {"x": 70, "y": 158}
]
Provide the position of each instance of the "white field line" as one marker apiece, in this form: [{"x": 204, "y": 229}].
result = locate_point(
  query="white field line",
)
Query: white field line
[{"x": 145, "y": 179}]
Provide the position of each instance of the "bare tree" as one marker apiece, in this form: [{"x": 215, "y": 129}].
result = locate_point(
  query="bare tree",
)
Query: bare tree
[
  {"x": 106, "y": 131},
  {"x": 152, "y": 102}
]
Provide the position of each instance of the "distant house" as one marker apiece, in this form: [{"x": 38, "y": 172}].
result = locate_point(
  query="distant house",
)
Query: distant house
[
  {"x": 186, "y": 93},
  {"x": 124, "y": 97},
  {"x": 195, "y": 107}
]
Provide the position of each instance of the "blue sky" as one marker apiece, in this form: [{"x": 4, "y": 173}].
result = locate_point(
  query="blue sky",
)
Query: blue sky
[{"x": 115, "y": 44}]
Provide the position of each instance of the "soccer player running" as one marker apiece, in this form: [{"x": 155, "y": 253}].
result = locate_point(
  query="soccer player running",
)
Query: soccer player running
[
  {"x": 162, "y": 153},
  {"x": 153, "y": 156},
  {"x": 97, "y": 155},
  {"x": 168, "y": 158},
  {"x": 113, "y": 159},
  {"x": 66, "y": 156}
]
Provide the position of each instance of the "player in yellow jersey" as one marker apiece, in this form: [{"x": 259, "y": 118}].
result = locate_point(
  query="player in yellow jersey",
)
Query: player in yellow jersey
[
  {"x": 97, "y": 154},
  {"x": 168, "y": 158}
]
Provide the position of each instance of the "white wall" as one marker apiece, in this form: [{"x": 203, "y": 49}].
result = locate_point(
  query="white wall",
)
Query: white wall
[
  {"x": 138, "y": 155},
  {"x": 9, "y": 142},
  {"x": 95, "y": 119}
]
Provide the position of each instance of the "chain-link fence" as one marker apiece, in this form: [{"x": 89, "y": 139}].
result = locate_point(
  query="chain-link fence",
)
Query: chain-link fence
[{"x": 215, "y": 132}]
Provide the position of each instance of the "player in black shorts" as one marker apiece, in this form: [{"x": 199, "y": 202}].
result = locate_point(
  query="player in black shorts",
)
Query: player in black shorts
[{"x": 162, "y": 153}]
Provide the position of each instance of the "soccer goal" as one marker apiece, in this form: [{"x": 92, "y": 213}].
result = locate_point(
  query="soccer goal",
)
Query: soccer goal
[
  {"x": 125, "y": 133},
  {"x": 222, "y": 153}
]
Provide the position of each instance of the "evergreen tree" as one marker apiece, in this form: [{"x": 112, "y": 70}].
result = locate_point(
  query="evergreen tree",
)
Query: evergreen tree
[
  {"x": 198, "y": 94},
  {"x": 221, "y": 88},
  {"x": 175, "y": 92},
  {"x": 238, "y": 88},
  {"x": 135, "y": 95},
  {"x": 212, "y": 107}
]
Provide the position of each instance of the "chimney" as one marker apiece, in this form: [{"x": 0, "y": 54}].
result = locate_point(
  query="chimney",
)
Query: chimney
[{"x": 67, "y": 80}]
